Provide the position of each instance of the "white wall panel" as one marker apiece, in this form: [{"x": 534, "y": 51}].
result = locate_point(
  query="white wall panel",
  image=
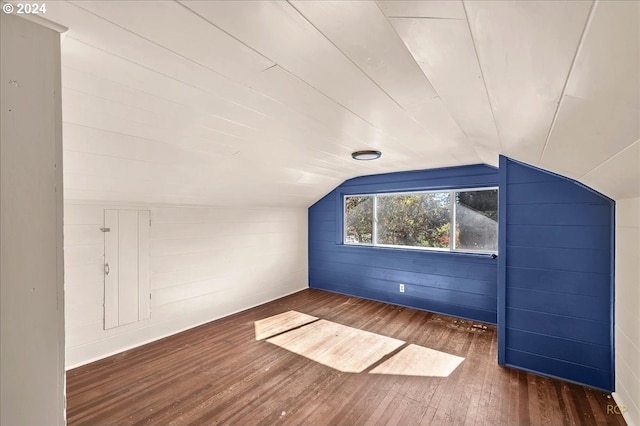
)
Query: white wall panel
[
  {"x": 205, "y": 263},
  {"x": 627, "y": 301},
  {"x": 81, "y": 299}
]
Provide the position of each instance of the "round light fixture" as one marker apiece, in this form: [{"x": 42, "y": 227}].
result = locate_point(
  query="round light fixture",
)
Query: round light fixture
[{"x": 366, "y": 155}]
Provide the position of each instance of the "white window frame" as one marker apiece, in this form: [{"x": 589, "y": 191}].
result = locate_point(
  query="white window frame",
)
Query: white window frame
[{"x": 374, "y": 224}]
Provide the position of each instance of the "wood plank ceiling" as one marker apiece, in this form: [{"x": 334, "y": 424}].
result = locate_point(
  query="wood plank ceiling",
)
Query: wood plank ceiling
[{"x": 258, "y": 102}]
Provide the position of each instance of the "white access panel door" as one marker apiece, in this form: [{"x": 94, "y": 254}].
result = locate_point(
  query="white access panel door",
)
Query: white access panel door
[{"x": 126, "y": 269}]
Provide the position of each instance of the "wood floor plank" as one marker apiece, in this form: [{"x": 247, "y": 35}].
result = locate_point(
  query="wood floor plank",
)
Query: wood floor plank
[{"x": 218, "y": 373}]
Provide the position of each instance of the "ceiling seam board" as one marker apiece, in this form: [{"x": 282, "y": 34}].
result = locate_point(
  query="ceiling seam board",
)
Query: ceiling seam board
[
  {"x": 346, "y": 56},
  {"x": 163, "y": 47},
  {"x": 484, "y": 81},
  {"x": 230, "y": 35},
  {"x": 453, "y": 118},
  {"x": 107, "y": 129},
  {"x": 204, "y": 126},
  {"x": 387, "y": 17},
  {"x": 429, "y": 42},
  {"x": 180, "y": 146},
  {"x": 288, "y": 71},
  {"x": 110, "y": 21},
  {"x": 566, "y": 82},
  {"x": 608, "y": 160},
  {"x": 280, "y": 65},
  {"x": 308, "y": 82},
  {"x": 600, "y": 112},
  {"x": 359, "y": 68}
]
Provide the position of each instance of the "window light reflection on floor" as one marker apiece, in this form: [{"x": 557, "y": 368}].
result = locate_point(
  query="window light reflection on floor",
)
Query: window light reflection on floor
[
  {"x": 351, "y": 350},
  {"x": 280, "y": 323}
]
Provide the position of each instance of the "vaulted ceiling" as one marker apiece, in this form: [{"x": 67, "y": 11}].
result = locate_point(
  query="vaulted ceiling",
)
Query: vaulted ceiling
[{"x": 258, "y": 102}]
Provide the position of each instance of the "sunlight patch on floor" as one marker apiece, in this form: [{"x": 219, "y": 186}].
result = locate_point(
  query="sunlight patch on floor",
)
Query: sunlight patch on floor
[
  {"x": 417, "y": 360},
  {"x": 338, "y": 346},
  {"x": 351, "y": 350},
  {"x": 280, "y": 323}
]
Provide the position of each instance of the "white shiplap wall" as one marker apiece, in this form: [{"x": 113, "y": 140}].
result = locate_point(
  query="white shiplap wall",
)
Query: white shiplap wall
[
  {"x": 627, "y": 302},
  {"x": 205, "y": 263}
]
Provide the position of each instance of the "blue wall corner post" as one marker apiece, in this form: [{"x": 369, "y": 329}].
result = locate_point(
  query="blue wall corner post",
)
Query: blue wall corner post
[
  {"x": 613, "y": 295},
  {"x": 502, "y": 258}
]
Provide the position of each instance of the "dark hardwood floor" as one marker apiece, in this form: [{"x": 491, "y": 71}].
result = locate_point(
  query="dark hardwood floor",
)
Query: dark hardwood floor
[{"x": 219, "y": 374}]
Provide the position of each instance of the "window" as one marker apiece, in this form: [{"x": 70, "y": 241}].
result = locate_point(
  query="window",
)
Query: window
[{"x": 461, "y": 220}]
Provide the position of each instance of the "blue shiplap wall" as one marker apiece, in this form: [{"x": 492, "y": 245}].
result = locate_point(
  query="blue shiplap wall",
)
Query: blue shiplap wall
[
  {"x": 455, "y": 284},
  {"x": 555, "y": 276}
]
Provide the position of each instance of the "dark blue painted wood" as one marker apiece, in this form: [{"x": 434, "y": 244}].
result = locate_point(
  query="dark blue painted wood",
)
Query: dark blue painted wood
[
  {"x": 589, "y": 331},
  {"x": 401, "y": 261},
  {"x": 503, "y": 202},
  {"x": 553, "y": 192},
  {"x": 558, "y": 214},
  {"x": 582, "y": 237},
  {"x": 550, "y": 302},
  {"x": 556, "y": 276},
  {"x": 557, "y": 368},
  {"x": 413, "y": 302},
  {"x": 455, "y": 284},
  {"x": 580, "y": 283},
  {"x": 559, "y": 259},
  {"x": 573, "y": 351},
  {"x": 466, "y": 285}
]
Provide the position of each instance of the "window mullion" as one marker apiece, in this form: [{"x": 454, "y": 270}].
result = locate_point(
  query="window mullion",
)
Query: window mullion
[
  {"x": 452, "y": 228},
  {"x": 375, "y": 221}
]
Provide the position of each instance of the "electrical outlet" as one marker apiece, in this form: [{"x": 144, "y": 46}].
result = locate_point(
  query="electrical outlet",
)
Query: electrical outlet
[{"x": 401, "y": 288}]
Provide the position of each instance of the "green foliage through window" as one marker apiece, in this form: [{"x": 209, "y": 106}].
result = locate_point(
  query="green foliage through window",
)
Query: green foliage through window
[
  {"x": 425, "y": 220},
  {"x": 359, "y": 220}
]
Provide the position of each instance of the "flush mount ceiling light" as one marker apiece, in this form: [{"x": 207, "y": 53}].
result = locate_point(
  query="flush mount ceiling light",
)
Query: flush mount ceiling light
[{"x": 366, "y": 155}]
